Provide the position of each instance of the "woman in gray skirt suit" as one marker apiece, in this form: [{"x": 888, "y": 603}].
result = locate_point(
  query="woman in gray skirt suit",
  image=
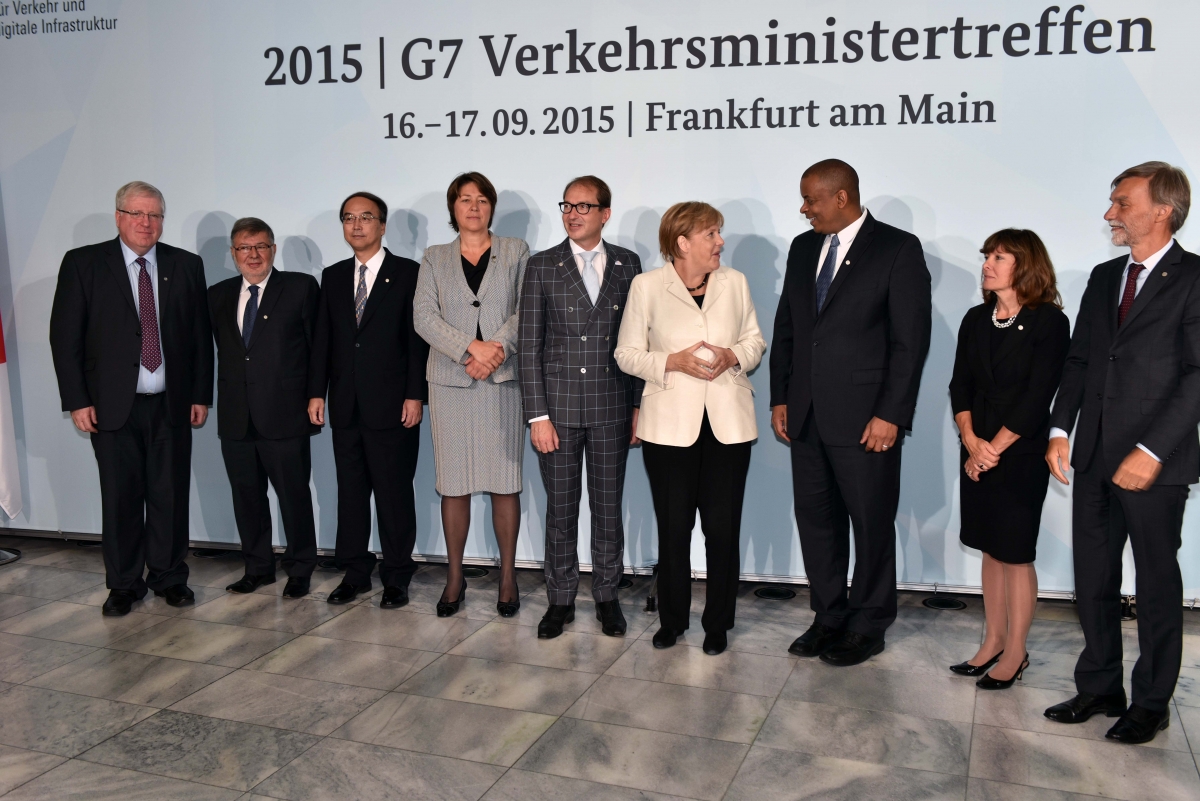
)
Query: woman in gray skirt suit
[{"x": 466, "y": 309}]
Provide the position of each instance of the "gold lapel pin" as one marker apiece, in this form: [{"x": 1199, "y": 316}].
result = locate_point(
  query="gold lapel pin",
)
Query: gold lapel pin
[{"x": 1164, "y": 275}]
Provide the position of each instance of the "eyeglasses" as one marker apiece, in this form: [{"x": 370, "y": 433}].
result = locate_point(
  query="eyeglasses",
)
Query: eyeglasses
[
  {"x": 582, "y": 208},
  {"x": 244, "y": 250},
  {"x": 365, "y": 219},
  {"x": 139, "y": 216}
]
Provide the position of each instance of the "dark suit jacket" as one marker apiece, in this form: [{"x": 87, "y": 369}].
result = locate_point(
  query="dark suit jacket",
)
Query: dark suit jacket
[
  {"x": 1011, "y": 388},
  {"x": 96, "y": 340},
  {"x": 862, "y": 356},
  {"x": 1140, "y": 382},
  {"x": 266, "y": 382},
  {"x": 377, "y": 365},
  {"x": 562, "y": 334}
]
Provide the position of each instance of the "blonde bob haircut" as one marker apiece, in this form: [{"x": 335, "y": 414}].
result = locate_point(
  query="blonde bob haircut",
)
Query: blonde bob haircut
[{"x": 685, "y": 219}]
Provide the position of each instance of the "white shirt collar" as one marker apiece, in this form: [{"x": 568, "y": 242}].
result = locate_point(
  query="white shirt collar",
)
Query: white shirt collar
[
  {"x": 576, "y": 250},
  {"x": 1150, "y": 262},
  {"x": 130, "y": 257},
  {"x": 262, "y": 285},
  {"x": 848, "y": 233},
  {"x": 373, "y": 263}
]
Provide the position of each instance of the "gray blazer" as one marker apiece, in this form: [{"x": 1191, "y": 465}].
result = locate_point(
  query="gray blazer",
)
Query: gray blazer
[{"x": 446, "y": 313}]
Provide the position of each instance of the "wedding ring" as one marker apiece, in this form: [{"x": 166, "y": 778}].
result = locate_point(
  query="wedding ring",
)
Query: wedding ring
[{"x": 979, "y": 466}]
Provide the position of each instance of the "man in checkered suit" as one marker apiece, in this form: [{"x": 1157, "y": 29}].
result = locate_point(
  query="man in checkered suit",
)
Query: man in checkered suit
[{"x": 577, "y": 401}]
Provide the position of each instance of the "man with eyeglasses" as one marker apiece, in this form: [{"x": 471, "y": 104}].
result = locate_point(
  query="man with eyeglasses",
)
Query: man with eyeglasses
[
  {"x": 264, "y": 320},
  {"x": 577, "y": 401},
  {"x": 372, "y": 362},
  {"x": 133, "y": 351}
]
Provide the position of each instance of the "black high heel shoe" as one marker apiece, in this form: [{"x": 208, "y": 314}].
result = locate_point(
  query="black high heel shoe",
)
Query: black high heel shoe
[
  {"x": 988, "y": 683},
  {"x": 967, "y": 669},
  {"x": 448, "y": 608},
  {"x": 509, "y": 608}
]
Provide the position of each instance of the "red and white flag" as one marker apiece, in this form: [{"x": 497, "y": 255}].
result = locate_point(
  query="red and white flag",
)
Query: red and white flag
[{"x": 10, "y": 477}]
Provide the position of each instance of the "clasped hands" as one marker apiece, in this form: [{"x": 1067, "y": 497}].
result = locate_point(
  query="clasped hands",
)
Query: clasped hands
[
  {"x": 483, "y": 358},
  {"x": 981, "y": 456},
  {"x": 687, "y": 362}
]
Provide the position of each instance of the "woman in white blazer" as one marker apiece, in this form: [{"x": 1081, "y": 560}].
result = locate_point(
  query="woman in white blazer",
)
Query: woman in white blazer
[{"x": 690, "y": 332}]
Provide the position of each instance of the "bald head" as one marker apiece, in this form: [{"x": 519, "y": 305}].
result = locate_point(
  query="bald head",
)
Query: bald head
[{"x": 829, "y": 190}]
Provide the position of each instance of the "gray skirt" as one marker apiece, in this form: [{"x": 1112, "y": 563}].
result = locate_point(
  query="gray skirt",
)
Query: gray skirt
[{"x": 478, "y": 437}]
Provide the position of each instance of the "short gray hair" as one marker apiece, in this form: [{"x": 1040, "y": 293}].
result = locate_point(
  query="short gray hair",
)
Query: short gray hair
[
  {"x": 137, "y": 188},
  {"x": 1168, "y": 187},
  {"x": 251, "y": 225}
]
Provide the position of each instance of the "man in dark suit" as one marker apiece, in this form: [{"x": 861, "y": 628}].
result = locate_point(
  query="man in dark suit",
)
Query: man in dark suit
[
  {"x": 263, "y": 322},
  {"x": 577, "y": 401},
  {"x": 851, "y": 335},
  {"x": 133, "y": 351},
  {"x": 1131, "y": 389},
  {"x": 373, "y": 363}
]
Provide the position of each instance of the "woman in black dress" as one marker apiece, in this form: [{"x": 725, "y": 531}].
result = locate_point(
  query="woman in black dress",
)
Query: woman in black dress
[{"x": 1011, "y": 351}]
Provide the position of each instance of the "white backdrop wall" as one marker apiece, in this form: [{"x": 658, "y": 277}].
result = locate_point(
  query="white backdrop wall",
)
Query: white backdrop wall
[{"x": 100, "y": 92}]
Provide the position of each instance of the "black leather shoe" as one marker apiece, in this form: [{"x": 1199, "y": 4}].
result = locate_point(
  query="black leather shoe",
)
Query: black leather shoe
[
  {"x": 1139, "y": 725},
  {"x": 815, "y": 641},
  {"x": 1084, "y": 705},
  {"x": 557, "y": 616},
  {"x": 989, "y": 682},
  {"x": 394, "y": 597},
  {"x": 967, "y": 669},
  {"x": 612, "y": 621},
  {"x": 249, "y": 583},
  {"x": 448, "y": 608},
  {"x": 296, "y": 587},
  {"x": 665, "y": 637},
  {"x": 715, "y": 642},
  {"x": 509, "y": 608},
  {"x": 852, "y": 649},
  {"x": 177, "y": 595},
  {"x": 344, "y": 594},
  {"x": 118, "y": 603}
]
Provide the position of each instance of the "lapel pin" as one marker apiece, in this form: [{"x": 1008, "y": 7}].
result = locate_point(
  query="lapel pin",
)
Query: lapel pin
[
  {"x": 1020, "y": 328},
  {"x": 165, "y": 278},
  {"x": 1164, "y": 275},
  {"x": 264, "y": 316},
  {"x": 387, "y": 280}
]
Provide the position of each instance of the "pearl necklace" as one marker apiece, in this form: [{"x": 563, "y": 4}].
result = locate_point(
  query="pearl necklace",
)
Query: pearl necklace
[{"x": 1006, "y": 323}]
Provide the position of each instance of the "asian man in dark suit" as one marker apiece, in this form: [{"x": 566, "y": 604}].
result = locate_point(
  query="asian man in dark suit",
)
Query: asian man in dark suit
[
  {"x": 263, "y": 322},
  {"x": 577, "y": 400},
  {"x": 851, "y": 335},
  {"x": 1131, "y": 391},
  {"x": 133, "y": 351},
  {"x": 372, "y": 362}
]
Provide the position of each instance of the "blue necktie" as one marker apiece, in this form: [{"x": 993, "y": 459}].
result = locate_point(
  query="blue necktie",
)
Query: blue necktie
[
  {"x": 249, "y": 315},
  {"x": 591, "y": 279},
  {"x": 825, "y": 277}
]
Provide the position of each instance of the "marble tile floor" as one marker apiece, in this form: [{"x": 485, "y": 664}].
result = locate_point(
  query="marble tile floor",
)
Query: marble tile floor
[{"x": 259, "y": 697}]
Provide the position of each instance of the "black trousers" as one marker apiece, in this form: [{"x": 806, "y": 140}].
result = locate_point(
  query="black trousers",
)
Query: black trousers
[
  {"x": 287, "y": 463},
  {"x": 833, "y": 487},
  {"x": 710, "y": 477},
  {"x": 383, "y": 462},
  {"x": 1103, "y": 516},
  {"x": 145, "y": 480},
  {"x": 606, "y": 448}
]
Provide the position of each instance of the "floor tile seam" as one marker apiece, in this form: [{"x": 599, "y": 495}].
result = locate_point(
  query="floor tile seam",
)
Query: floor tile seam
[
  {"x": 887, "y": 711},
  {"x": 694, "y": 686},
  {"x": 518, "y": 758},
  {"x": 38, "y": 776},
  {"x": 56, "y": 667},
  {"x": 90, "y": 645},
  {"x": 594, "y": 676},
  {"x": 757, "y": 734},
  {"x": 660, "y": 731},
  {"x": 964, "y": 776},
  {"x": 312, "y": 633},
  {"x": 156, "y": 709},
  {"x": 151, "y": 774},
  {"x": 1110, "y": 744},
  {"x": 254, "y": 788},
  {"x": 261, "y": 725},
  {"x": 257, "y": 628}
]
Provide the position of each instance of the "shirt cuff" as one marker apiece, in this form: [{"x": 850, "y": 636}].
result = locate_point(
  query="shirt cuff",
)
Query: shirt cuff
[
  {"x": 1147, "y": 450},
  {"x": 1058, "y": 432},
  {"x": 539, "y": 419}
]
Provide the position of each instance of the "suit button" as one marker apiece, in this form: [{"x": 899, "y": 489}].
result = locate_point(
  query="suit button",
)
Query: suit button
[
  {"x": 570, "y": 308},
  {"x": 475, "y": 303},
  {"x": 1099, "y": 396},
  {"x": 606, "y": 369},
  {"x": 606, "y": 339},
  {"x": 247, "y": 358},
  {"x": 583, "y": 369},
  {"x": 1112, "y": 358},
  {"x": 584, "y": 339},
  {"x": 357, "y": 345},
  {"x": 616, "y": 307}
]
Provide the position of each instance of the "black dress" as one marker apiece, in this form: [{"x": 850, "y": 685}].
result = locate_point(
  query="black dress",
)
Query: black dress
[
  {"x": 474, "y": 274},
  {"x": 1007, "y": 378}
]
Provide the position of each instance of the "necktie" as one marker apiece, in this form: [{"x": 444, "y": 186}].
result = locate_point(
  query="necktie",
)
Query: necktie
[
  {"x": 825, "y": 277},
  {"x": 360, "y": 294},
  {"x": 1130, "y": 292},
  {"x": 151, "y": 349},
  {"x": 591, "y": 279},
  {"x": 249, "y": 314}
]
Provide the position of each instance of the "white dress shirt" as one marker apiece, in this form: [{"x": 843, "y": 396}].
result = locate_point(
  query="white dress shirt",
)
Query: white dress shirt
[
  {"x": 845, "y": 240},
  {"x": 373, "y": 264},
  {"x": 599, "y": 261},
  {"x": 148, "y": 383},
  {"x": 244, "y": 296},
  {"x": 1149, "y": 264}
]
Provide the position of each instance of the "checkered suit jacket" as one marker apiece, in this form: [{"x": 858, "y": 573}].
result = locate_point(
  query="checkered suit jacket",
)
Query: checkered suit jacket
[{"x": 566, "y": 344}]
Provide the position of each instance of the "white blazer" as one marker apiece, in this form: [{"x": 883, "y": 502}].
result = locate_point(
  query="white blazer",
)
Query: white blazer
[{"x": 661, "y": 318}]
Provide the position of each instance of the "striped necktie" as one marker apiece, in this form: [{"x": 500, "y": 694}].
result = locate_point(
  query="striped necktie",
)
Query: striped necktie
[{"x": 360, "y": 294}]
